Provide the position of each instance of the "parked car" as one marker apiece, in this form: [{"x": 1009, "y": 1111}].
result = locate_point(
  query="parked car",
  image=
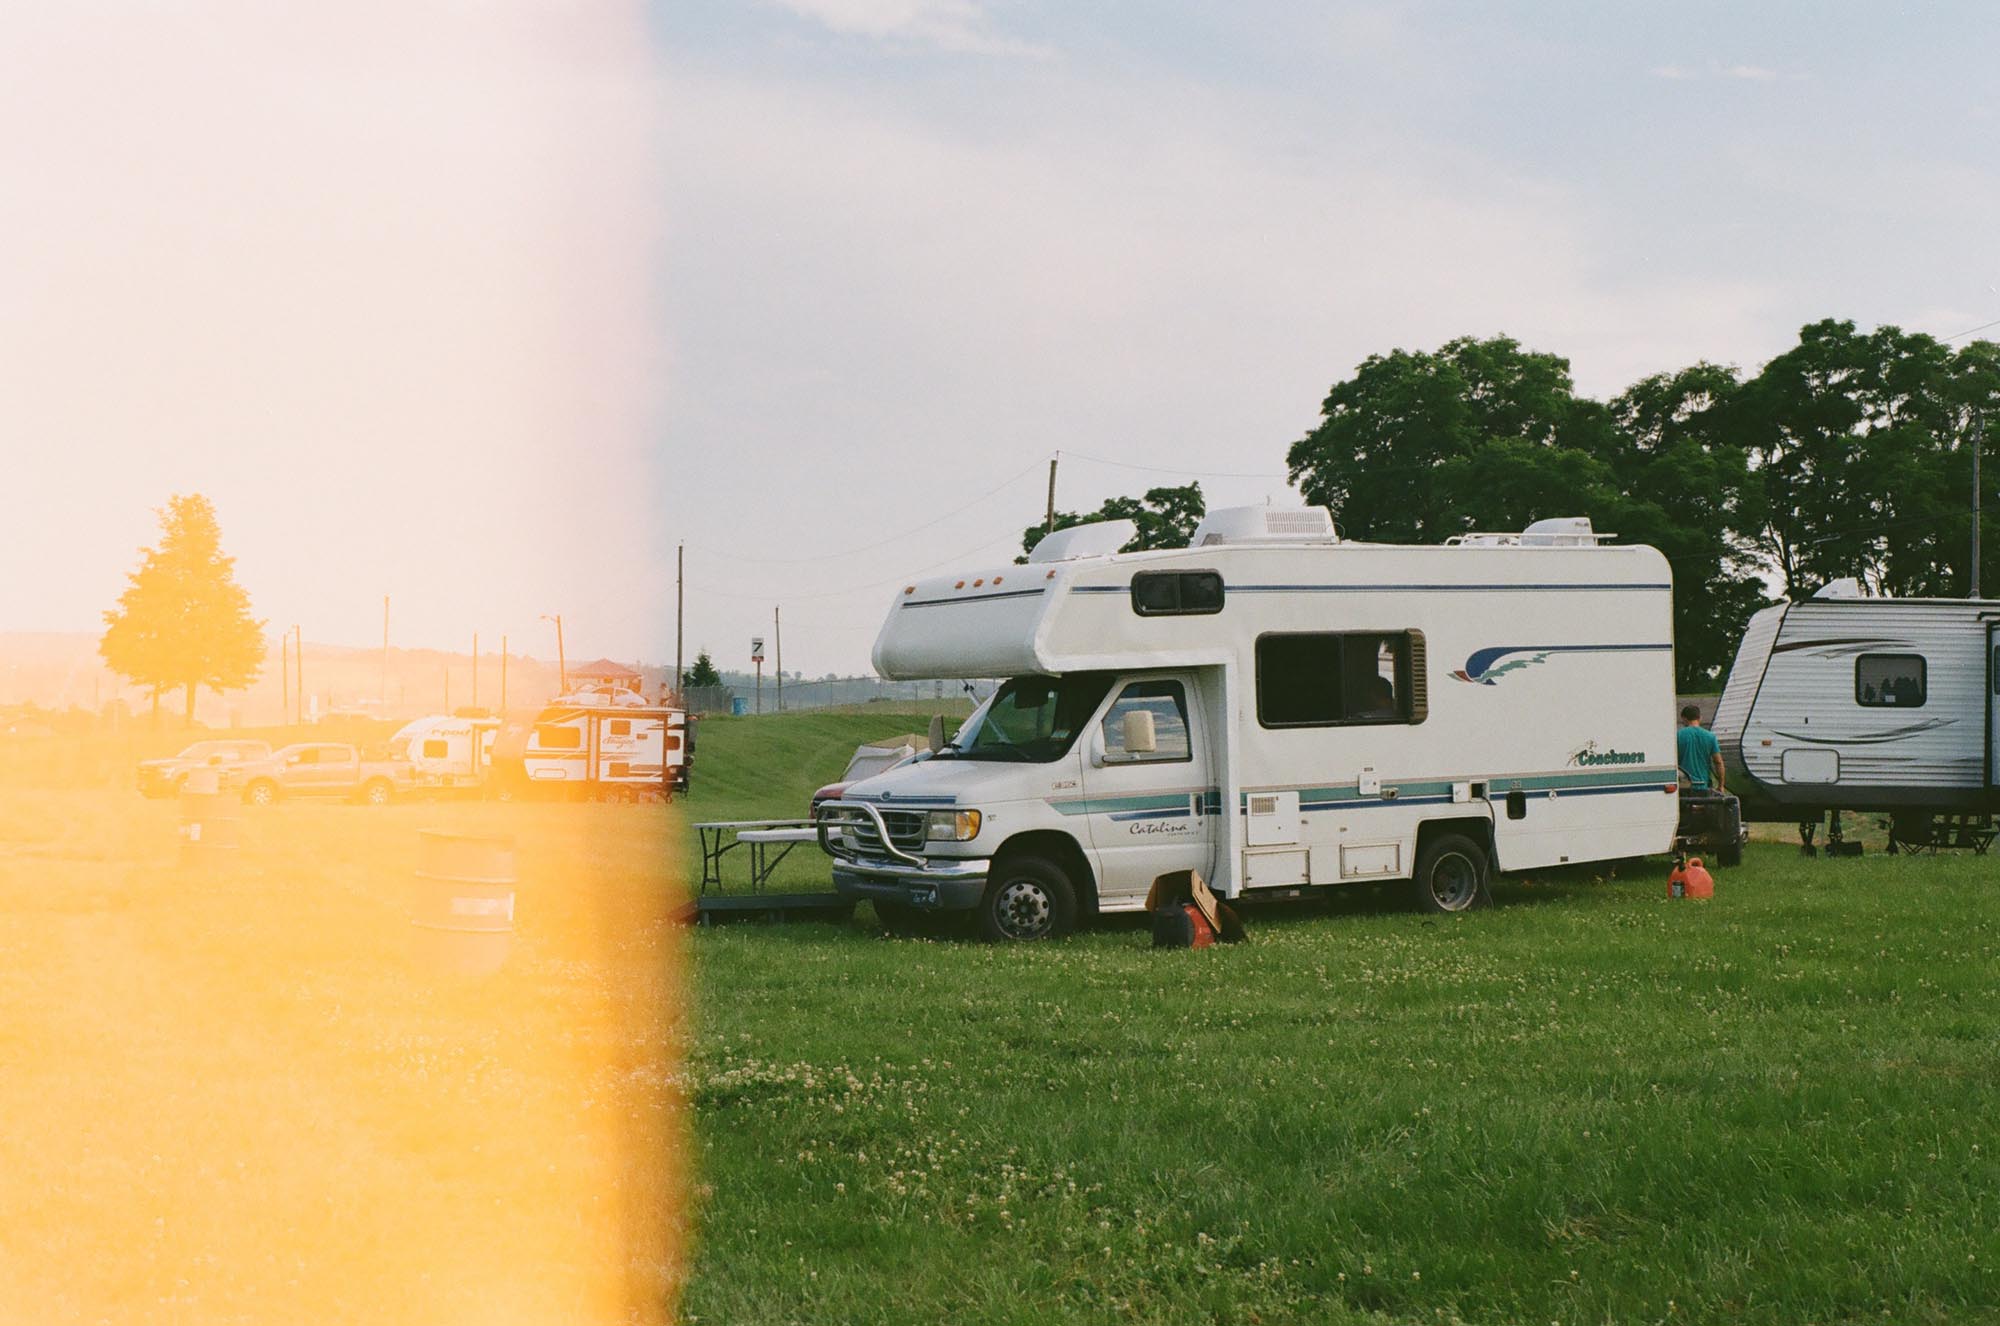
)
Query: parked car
[
  {"x": 163, "y": 778},
  {"x": 322, "y": 769}
]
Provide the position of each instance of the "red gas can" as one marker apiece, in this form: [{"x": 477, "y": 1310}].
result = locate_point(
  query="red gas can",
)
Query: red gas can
[{"x": 1690, "y": 880}]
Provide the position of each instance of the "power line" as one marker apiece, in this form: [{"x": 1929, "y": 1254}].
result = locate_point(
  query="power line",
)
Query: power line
[{"x": 1970, "y": 330}]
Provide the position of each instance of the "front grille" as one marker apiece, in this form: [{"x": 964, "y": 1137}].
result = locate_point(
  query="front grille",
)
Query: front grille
[
  {"x": 906, "y": 830},
  {"x": 856, "y": 828}
]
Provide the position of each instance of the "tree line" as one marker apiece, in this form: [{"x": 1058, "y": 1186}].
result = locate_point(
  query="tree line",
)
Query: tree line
[{"x": 1848, "y": 455}]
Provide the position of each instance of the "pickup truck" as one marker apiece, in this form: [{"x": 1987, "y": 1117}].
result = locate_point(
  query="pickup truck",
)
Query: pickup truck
[
  {"x": 162, "y": 778},
  {"x": 321, "y": 769}
]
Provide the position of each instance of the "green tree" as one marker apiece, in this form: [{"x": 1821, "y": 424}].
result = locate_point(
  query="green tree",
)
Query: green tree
[
  {"x": 1861, "y": 446},
  {"x": 183, "y": 620},
  {"x": 1166, "y": 518},
  {"x": 703, "y": 672}
]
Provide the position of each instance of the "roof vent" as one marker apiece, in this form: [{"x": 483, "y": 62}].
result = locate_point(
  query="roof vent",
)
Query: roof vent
[
  {"x": 1265, "y": 524},
  {"x": 1556, "y": 532},
  {"x": 1845, "y": 588},
  {"x": 1099, "y": 538}
]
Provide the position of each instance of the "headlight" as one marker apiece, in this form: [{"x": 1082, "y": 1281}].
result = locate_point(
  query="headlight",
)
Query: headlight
[{"x": 951, "y": 826}]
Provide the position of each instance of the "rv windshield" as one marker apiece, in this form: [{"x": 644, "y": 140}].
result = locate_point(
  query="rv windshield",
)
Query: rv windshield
[{"x": 1032, "y": 720}]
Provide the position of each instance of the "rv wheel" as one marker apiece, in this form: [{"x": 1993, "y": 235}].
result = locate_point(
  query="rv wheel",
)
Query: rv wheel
[
  {"x": 1027, "y": 897},
  {"x": 1451, "y": 875}
]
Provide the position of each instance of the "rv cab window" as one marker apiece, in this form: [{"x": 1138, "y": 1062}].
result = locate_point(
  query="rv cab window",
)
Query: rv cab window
[
  {"x": 1167, "y": 703},
  {"x": 1889, "y": 681}
]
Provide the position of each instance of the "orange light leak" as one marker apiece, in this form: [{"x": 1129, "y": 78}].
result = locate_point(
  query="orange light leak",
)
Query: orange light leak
[{"x": 317, "y": 263}]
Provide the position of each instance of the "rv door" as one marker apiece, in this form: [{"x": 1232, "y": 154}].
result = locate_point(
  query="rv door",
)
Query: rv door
[{"x": 1148, "y": 789}]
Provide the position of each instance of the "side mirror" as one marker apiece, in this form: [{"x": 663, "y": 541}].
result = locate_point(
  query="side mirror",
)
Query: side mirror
[
  {"x": 1140, "y": 738},
  {"x": 937, "y": 732}
]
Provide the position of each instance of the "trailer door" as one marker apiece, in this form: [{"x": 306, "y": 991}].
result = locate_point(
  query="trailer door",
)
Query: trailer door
[
  {"x": 1993, "y": 704},
  {"x": 1150, "y": 811}
]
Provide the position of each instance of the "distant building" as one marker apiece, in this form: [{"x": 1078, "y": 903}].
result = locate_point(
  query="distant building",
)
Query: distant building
[{"x": 603, "y": 672}]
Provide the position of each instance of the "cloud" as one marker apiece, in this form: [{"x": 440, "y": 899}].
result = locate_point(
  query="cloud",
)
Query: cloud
[{"x": 948, "y": 25}]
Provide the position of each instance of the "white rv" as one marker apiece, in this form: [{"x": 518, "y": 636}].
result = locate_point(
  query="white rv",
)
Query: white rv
[
  {"x": 1276, "y": 708},
  {"x": 446, "y": 751},
  {"x": 605, "y": 742},
  {"x": 1844, "y": 703}
]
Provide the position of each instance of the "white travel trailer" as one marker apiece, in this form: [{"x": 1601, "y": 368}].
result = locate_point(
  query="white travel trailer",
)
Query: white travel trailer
[
  {"x": 446, "y": 751},
  {"x": 1843, "y": 703},
  {"x": 1361, "y": 712},
  {"x": 607, "y": 742}
]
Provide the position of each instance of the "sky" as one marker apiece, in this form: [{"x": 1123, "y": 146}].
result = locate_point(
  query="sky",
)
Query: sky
[{"x": 490, "y": 307}]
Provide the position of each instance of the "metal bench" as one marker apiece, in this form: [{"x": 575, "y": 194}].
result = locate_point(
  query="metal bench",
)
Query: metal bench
[{"x": 759, "y": 838}]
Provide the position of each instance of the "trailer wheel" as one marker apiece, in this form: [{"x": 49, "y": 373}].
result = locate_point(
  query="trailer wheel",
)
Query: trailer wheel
[
  {"x": 377, "y": 792},
  {"x": 1452, "y": 875},
  {"x": 263, "y": 792},
  {"x": 1027, "y": 897}
]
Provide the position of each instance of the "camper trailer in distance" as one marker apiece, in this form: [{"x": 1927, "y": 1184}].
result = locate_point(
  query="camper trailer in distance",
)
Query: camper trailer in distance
[
  {"x": 1847, "y": 703},
  {"x": 447, "y": 752},
  {"x": 1276, "y": 708},
  {"x": 606, "y": 742}
]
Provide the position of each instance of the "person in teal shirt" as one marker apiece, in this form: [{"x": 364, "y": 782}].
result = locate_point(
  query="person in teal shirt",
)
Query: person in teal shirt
[{"x": 1698, "y": 752}]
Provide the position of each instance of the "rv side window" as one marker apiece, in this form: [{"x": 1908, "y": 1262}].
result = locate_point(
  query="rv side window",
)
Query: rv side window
[
  {"x": 554, "y": 736},
  {"x": 434, "y": 749},
  {"x": 621, "y": 727},
  {"x": 1321, "y": 680},
  {"x": 1889, "y": 681},
  {"x": 1167, "y": 704},
  {"x": 1176, "y": 593}
]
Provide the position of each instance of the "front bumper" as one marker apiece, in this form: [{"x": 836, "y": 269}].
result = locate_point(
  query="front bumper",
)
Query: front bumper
[
  {"x": 945, "y": 886},
  {"x": 887, "y": 872}
]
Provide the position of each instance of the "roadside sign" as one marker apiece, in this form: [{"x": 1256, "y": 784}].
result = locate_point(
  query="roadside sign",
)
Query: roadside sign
[{"x": 756, "y": 649}]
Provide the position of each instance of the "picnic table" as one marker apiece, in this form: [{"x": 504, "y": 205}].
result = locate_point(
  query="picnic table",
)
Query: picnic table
[{"x": 766, "y": 844}]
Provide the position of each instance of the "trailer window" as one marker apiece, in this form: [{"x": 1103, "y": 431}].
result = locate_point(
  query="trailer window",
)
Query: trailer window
[
  {"x": 1176, "y": 593},
  {"x": 1889, "y": 681},
  {"x": 1323, "y": 680},
  {"x": 555, "y": 736},
  {"x": 621, "y": 727},
  {"x": 1167, "y": 703},
  {"x": 434, "y": 749}
]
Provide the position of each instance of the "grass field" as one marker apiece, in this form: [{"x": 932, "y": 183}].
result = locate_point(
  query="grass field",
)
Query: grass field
[
  {"x": 238, "y": 1097},
  {"x": 1587, "y": 1104}
]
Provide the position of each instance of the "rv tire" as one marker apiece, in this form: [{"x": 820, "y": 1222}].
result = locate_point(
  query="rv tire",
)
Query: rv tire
[
  {"x": 1452, "y": 875},
  {"x": 1027, "y": 898}
]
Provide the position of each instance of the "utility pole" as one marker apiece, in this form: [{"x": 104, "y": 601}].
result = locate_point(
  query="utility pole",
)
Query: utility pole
[
  {"x": 778, "y": 644},
  {"x": 1049, "y": 522},
  {"x": 299, "y": 662},
  {"x": 1978, "y": 445},
  {"x": 562, "y": 659},
  {"x": 680, "y": 573}
]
